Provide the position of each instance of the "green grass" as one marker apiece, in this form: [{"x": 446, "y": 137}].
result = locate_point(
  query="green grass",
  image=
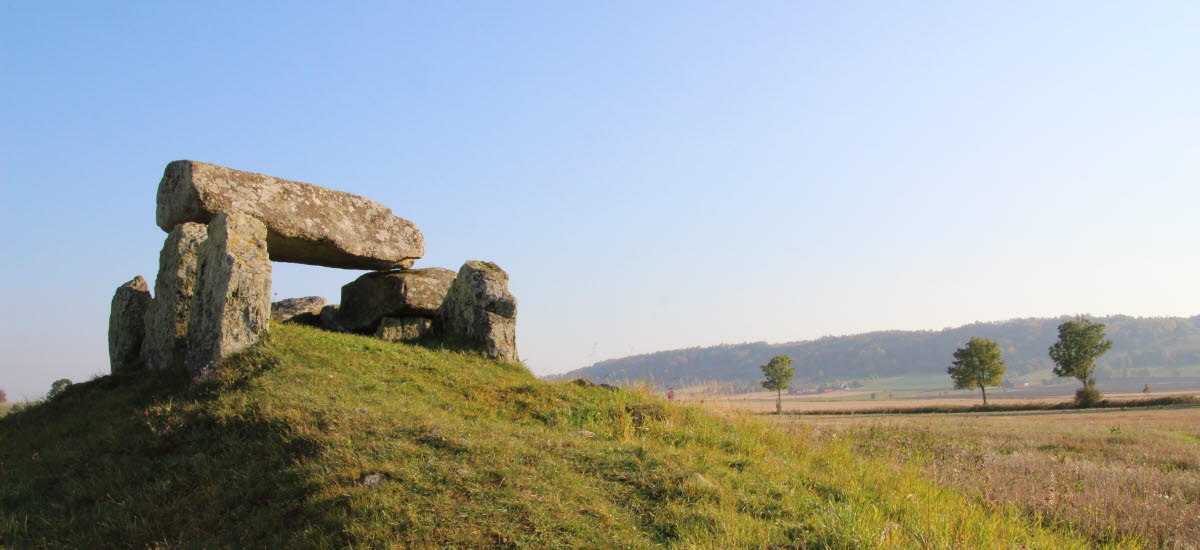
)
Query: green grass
[{"x": 471, "y": 453}]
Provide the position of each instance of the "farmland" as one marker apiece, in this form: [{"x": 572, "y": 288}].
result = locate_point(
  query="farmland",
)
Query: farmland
[{"x": 1111, "y": 475}]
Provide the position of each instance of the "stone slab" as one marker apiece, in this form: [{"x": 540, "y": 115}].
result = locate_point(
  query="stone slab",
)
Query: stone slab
[{"x": 306, "y": 223}]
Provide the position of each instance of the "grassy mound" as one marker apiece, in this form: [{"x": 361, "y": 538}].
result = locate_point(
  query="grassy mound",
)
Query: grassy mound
[{"x": 322, "y": 440}]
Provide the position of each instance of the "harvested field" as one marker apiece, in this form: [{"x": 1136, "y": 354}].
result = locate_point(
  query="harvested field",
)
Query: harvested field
[
  {"x": 1113, "y": 475},
  {"x": 761, "y": 402}
]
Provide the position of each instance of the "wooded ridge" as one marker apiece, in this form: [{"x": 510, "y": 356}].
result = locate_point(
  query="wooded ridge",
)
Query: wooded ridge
[{"x": 1145, "y": 346}]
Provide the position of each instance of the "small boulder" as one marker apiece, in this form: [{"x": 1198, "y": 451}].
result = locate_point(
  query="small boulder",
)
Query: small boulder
[
  {"x": 371, "y": 480},
  {"x": 127, "y": 326},
  {"x": 328, "y": 319},
  {"x": 304, "y": 311},
  {"x": 400, "y": 329},
  {"x": 402, "y": 293},
  {"x": 480, "y": 312},
  {"x": 695, "y": 482},
  {"x": 231, "y": 309}
]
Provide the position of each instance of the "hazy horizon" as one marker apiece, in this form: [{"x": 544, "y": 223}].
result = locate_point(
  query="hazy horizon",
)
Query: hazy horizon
[{"x": 652, "y": 177}]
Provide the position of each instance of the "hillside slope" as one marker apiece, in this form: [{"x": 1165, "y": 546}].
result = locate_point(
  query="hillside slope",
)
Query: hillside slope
[
  {"x": 1162, "y": 345},
  {"x": 323, "y": 440}
]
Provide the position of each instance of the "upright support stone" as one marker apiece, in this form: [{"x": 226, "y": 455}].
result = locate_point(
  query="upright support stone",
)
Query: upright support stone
[
  {"x": 231, "y": 309},
  {"x": 165, "y": 346},
  {"x": 479, "y": 311},
  {"x": 126, "y": 326},
  {"x": 306, "y": 223}
]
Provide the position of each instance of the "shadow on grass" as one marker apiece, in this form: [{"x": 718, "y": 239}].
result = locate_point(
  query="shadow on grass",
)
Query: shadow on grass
[{"x": 155, "y": 460}]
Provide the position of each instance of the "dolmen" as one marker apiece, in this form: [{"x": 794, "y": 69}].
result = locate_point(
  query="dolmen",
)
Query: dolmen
[{"x": 224, "y": 227}]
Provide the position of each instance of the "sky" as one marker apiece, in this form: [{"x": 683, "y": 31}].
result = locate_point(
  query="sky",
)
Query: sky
[{"x": 652, "y": 175}]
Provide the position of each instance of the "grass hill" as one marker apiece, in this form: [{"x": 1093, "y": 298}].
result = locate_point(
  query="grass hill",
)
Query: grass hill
[
  {"x": 323, "y": 440},
  {"x": 1143, "y": 347}
]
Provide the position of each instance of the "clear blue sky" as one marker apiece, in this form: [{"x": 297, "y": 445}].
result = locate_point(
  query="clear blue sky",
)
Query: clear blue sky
[{"x": 652, "y": 175}]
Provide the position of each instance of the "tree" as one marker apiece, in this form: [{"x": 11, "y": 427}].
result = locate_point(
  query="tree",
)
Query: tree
[
  {"x": 1080, "y": 342},
  {"x": 978, "y": 364},
  {"x": 57, "y": 387},
  {"x": 3, "y": 397},
  {"x": 779, "y": 374}
]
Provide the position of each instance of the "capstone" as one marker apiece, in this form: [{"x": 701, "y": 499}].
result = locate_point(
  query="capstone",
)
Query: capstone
[{"x": 306, "y": 223}]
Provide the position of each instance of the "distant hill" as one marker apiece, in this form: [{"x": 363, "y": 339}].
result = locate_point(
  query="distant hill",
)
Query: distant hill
[{"x": 1142, "y": 346}]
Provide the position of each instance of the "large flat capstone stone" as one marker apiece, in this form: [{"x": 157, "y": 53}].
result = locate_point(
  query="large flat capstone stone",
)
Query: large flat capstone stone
[
  {"x": 306, "y": 224},
  {"x": 231, "y": 308},
  {"x": 165, "y": 346}
]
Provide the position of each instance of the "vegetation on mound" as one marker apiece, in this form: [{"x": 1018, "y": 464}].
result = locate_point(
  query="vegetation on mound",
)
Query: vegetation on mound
[
  {"x": 1164, "y": 401},
  {"x": 321, "y": 440}
]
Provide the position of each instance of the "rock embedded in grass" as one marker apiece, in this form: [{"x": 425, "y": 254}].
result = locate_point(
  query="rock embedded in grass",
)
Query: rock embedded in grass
[
  {"x": 306, "y": 223},
  {"x": 126, "y": 326},
  {"x": 371, "y": 480},
  {"x": 403, "y": 329}
]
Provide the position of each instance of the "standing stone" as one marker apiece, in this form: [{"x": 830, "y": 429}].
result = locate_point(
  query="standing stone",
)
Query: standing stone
[
  {"x": 401, "y": 329},
  {"x": 480, "y": 312},
  {"x": 305, "y": 223},
  {"x": 126, "y": 326},
  {"x": 167, "y": 320},
  {"x": 305, "y": 311},
  {"x": 231, "y": 309},
  {"x": 405, "y": 293}
]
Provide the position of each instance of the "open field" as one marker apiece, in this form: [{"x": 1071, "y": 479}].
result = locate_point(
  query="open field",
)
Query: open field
[
  {"x": 1131, "y": 475},
  {"x": 761, "y": 402},
  {"x": 6, "y": 407}
]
